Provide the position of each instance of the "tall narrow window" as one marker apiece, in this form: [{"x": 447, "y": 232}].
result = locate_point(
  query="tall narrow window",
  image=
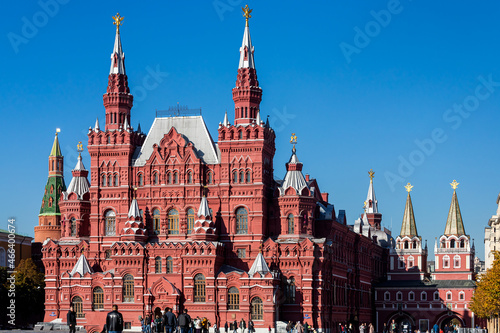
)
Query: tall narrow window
[
  {"x": 156, "y": 221},
  {"x": 256, "y": 309},
  {"x": 176, "y": 177},
  {"x": 110, "y": 180},
  {"x": 190, "y": 220},
  {"x": 103, "y": 180},
  {"x": 155, "y": 178},
  {"x": 98, "y": 298},
  {"x": 462, "y": 243},
  {"x": 241, "y": 221},
  {"x": 249, "y": 179},
  {"x": 128, "y": 288},
  {"x": 73, "y": 227},
  {"x": 235, "y": 176},
  {"x": 189, "y": 178},
  {"x": 169, "y": 178},
  {"x": 291, "y": 224},
  {"x": 209, "y": 178},
  {"x": 233, "y": 299},
  {"x": 170, "y": 264},
  {"x": 290, "y": 291},
  {"x": 141, "y": 180},
  {"x": 78, "y": 306},
  {"x": 199, "y": 288},
  {"x": 242, "y": 177},
  {"x": 116, "y": 180},
  {"x": 173, "y": 222},
  {"x": 158, "y": 265},
  {"x": 110, "y": 223},
  {"x": 452, "y": 243}
]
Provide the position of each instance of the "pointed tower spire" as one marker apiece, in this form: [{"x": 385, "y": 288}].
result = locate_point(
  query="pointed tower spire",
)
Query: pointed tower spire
[
  {"x": 371, "y": 204},
  {"x": 56, "y": 149},
  {"x": 258, "y": 120},
  {"x": 117, "y": 100},
  {"x": 79, "y": 183},
  {"x": 454, "y": 223},
  {"x": 247, "y": 94},
  {"x": 139, "y": 128},
  {"x": 409, "y": 227},
  {"x": 226, "y": 121},
  {"x": 96, "y": 126}
]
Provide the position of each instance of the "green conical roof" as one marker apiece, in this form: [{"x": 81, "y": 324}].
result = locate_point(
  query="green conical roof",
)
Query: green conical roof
[
  {"x": 56, "y": 150},
  {"x": 409, "y": 227},
  {"x": 454, "y": 223}
]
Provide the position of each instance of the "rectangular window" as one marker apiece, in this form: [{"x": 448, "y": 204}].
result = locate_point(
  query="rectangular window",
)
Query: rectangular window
[{"x": 242, "y": 253}]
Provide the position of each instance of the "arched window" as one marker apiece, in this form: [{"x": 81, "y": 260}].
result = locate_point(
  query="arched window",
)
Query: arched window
[
  {"x": 156, "y": 221},
  {"x": 256, "y": 312},
  {"x": 158, "y": 265},
  {"x": 462, "y": 243},
  {"x": 210, "y": 178},
  {"x": 436, "y": 295},
  {"x": 141, "y": 180},
  {"x": 78, "y": 306},
  {"x": 169, "y": 178},
  {"x": 411, "y": 296},
  {"x": 73, "y": 227},
  {"x": 233, "y": 299},
  {"x": 452, "y": 243},
  {"x": 248, "y": 177},
  {"x": 290, "y": 291},
  {"x": 291, "y": 224},
  {"x": 406, "y": 244},
  {"x": 461, "y": 296},
  {"x": 446, "y": 262},
  {"x": 98, "y": 298},
  {"x": 128, "y": 288},
  {"x": 103, "y": 180},
  {"x": 110, "y": 180},
  {"x": 3, "y": 257},
  {"x": 241, "y": 221},
  {"x": 176, "y": 178},
  {"x": 117, "y": 180},
  {"x": 190, "y": 177},
  {"x": 235, "y": 176},
  {"x": 242, "y": 177},
  {"x": 190, "y": 220},
  {"x": 50, "y": 202},
  {"x": 456, "y": 261},
  {"x": 110, "y": 223},
  {"x": 414, "y": 244},
  {"x": 170, "y": 265},
  {"x": 107, "y": 254},
  {"x": 423, "y": 296},
  {"x": 399, "y": 296},
  {"x": 173, "y": 222},
  {"x": 448, "y": 296},
  {"x": 155, "y": 178},
  {"x": 387, "y": 296},
  {"x": 199, "y": 288},
  {"x": 410, "y": 262}
]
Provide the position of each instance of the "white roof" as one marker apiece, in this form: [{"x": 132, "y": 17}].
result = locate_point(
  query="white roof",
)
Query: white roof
[
  {"x": 293, "y": 178},
  {"x": 117, "y": 57},
  {"x": 373, "y": 208},
  {"x": 79, "y": 185},
  {"x": 193, "y": 128},
  {"x": 204, "y": 209},
  {"x": 134, "y": 209},
  {"x": 247, "y": 43},
  {"x": 82, "y": 266},
  {"x": 259, "y": 266}
]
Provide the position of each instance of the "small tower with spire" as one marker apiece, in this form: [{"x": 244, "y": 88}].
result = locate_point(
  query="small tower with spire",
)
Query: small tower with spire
[
  {"x": 49, "y": 225},
  {"x": 247, "y": 94},
  {"x": 453, "y": 252},
  {"x": 75, "y": 202},
  {"x": 117, "y": 99},
  {"x": 408, "y": 261},
  {"x": 371, "y": 205}
]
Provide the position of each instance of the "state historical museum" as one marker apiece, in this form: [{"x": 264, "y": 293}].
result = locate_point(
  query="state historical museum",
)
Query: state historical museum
[{"x": 175, "y": 219}]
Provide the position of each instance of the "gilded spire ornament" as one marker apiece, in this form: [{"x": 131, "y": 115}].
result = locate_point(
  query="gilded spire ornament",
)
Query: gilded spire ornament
[
  {"x": 246, "y": 13},
  {"x": 117, "y": 21},
  {"x": 371, "y": 174},
  {"x": 454, "y": 185},
  {"x": 408, "y": 187},
  {"x": 293, "y": 141},
  {"x": 79, "y": 148}
]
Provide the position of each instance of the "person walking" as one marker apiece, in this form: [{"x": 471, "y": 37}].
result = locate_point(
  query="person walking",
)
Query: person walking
[
  {"x": 226, "y": 327},
  {"x": 235, "y": 326},
  {"x": 158, "y": 324},
  {"x": 216, "y": 328},
  {"x": 251, "y": 328},
  {"x": 169, "y": 320},
  {"x": 371, "y": 329},
  {"x": 71, "y": 319},
  {"x": 184, "y": 321},
  {"x": 243, "y": 325},
  {"x": 362, "y": 328},
  {"x": 114, "y": 321},
  {"x": 299, "y": 328}
]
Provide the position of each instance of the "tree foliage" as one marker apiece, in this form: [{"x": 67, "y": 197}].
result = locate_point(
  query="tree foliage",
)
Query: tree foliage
[{"x": 486, "y": 299}]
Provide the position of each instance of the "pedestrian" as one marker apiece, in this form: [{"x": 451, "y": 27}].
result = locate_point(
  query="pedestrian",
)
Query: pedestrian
[
  {"x": 205, "y": 325},
  {"x": 147, "y": 324},
  {"x": 394, "y": 327},
  {"x": 384, "y": 329},
  {"x": 158, "y": 324},
  {"x": 251, "y": 328},
  {"x": 216, "y": 328},
  {"x": 71, "y": 319},
  {"x": 288, "y": 327},
  {"x": 371, "y": 329},
  {"x": 114, "y": 321},
  {"x": 170, "y": 321},
  {"x": 243, "y": 325},
  {"x": 299, "y": 328},
  {"x": 197, "y": 325},
  {"x": 235, "y": 326},
  {"x": 226, "y": 326},
  {"x": 184, "y": 321},
  {"x": 141, "y": 320}
]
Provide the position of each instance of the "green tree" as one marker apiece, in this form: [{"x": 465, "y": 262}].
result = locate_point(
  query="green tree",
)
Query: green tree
[{"x": 486, "y": 299}]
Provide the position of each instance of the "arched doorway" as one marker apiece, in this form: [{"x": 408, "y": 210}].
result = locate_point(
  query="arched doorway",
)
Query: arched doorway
[
  {"x": 451, "y": 321},
  {"x": 403, "y": 321},
  {"x": 157, "y": 312}
]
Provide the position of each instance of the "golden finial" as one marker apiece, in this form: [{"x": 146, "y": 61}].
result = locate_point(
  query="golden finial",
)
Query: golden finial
[
  {"x": 293, "y": 141},
  {"x": 246, "y": 13},
  {"x": 408, "y": 187},
  {"x": 364, "y": 205},
  {"x": 371, "y": 174},
  {"x": 79, "y": 147},
  {"x": 454, "y": 185},
  {"x": 58, "y": 130},
  {"x": 117, "y": 21},
  {"x": 135, "y": 192}
]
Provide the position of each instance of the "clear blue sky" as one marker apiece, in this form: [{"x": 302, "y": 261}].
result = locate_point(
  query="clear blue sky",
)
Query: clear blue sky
[{"x": 357, "y": 101}]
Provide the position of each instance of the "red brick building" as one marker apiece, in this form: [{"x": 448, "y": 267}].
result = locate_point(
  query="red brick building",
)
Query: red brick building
[
  {"x": 173, "y": 218},
  {"x": 417, "y": 298}
]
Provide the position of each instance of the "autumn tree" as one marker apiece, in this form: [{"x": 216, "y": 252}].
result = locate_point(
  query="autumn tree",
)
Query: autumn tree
[{"x": 486, "y": 299}]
